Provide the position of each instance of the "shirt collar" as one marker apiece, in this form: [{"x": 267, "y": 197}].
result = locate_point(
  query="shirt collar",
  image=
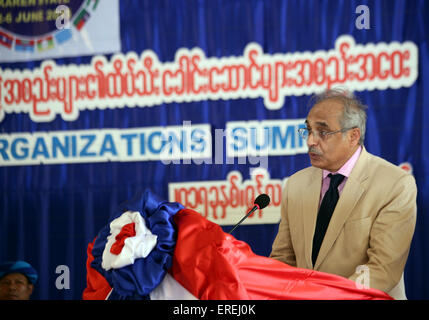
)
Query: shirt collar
[{"x": 347, "y": 168}]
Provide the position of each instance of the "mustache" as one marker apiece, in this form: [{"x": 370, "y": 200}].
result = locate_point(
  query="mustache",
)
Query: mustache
[{"x": 314, "y": 150}]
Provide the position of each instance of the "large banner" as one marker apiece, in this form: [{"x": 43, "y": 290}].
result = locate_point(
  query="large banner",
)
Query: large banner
[
  {"x": 201, "y": 102},
  {"x": 132, "y": 80}
]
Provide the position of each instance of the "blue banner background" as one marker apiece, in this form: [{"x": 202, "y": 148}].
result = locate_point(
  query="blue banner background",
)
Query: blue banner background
[{"x": 49, "y": 213}]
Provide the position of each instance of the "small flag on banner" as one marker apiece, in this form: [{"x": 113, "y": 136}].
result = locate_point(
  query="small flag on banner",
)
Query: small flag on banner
[
  {"x": 63, "y": 36},
  {"x": 81, "y": 18},
  {"x": 24, "y": 45},
  {"x": 45, "y": 44},
  {"x": 6, "y": 39},
  {"x": 94, "y": 5}
]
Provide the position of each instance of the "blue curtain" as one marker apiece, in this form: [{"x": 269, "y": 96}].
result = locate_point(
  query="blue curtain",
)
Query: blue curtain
[{"x": 49, "y": 213}]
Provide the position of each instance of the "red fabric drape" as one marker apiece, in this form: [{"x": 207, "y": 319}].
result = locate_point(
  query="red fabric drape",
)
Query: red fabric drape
[{"x": 212, "y": 264}]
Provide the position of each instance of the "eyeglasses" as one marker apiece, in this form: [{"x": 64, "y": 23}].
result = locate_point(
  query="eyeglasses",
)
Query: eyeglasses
[{"x": 305, "y": 133}]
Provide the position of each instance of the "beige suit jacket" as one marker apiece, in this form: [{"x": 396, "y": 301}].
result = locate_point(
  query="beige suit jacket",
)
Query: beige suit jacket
[{"x": 372, "y": 225}]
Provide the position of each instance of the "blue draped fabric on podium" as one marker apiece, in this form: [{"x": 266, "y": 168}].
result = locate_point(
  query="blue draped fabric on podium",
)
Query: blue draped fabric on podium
[{"x": 50, "y": 212}]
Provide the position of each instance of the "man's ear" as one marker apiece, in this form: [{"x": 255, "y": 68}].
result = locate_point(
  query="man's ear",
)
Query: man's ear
[
  {"x": 30, "y": 288},
  {"x": 354, "y": 136}
]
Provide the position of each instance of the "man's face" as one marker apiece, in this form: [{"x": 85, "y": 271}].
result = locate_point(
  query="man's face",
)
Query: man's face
[
  {"x": 332, "y": 152},
  {"x": 15, "y": 286}
]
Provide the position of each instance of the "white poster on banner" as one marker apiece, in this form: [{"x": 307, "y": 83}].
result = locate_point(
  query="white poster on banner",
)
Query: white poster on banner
[{"x": 38, "y": 30}]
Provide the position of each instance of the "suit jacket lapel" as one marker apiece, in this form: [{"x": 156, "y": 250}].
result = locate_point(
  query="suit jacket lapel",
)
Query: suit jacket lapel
[
  {"x": 350, "y": 195},
  {"x": 310, "y": 207}
]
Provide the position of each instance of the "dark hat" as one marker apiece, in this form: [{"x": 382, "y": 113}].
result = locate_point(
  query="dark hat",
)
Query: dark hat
[{"x": 18, "y": 267}]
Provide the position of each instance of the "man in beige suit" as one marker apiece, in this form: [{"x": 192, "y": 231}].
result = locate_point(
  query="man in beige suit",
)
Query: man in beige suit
[{"x": 369, "y": 232}]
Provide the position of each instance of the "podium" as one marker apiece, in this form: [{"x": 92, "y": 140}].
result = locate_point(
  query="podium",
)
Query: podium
[{"x": 193, "y": 258}]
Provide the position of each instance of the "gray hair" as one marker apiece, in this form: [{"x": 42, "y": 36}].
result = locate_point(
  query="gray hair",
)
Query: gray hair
[{"x": 354, "y": 114}]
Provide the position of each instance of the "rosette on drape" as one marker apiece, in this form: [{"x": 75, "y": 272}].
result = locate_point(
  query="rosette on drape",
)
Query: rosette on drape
[{"x": 133, "y": 252}]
